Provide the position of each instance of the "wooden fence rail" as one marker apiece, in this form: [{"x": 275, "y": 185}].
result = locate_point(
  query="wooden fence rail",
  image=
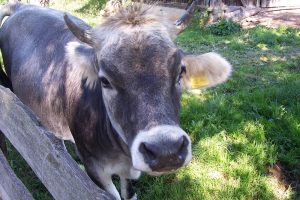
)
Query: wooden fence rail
[
  {"x": 45, "y": 154},
  {"x": 10, "y": 186}
]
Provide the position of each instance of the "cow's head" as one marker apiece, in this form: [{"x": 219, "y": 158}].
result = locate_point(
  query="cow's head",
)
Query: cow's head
[{"x": 142, "y": 75}]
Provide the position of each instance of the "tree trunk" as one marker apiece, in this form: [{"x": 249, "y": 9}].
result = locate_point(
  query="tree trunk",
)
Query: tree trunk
[
  {"x": 185, "y": 19},
  {"x": 258, "y": 3},
  {"x": 45, "y": 3},
  {"x": 263, "y": 3}
]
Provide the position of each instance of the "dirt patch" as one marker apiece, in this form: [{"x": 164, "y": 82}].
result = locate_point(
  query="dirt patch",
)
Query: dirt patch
[
  {"x": 286, "y": 176},
  {"x": 275, "y": 18}
]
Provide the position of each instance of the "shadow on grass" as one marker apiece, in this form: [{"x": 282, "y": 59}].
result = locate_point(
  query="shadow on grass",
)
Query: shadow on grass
[
  {"x": 270, "y": 102},
  {"x": 26, "y": 175},
  {"x": 255, "y": 115},
  {"x": 170, "y": 187},
  {"x": 255, "y": 122}
]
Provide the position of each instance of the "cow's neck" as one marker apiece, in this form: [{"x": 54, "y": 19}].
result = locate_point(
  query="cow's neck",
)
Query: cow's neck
[{"x": 91, "y": 125}]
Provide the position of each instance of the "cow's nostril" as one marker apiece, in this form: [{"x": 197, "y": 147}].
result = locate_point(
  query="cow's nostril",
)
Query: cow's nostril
[
  {"x": 180, "y": 143},
  {"x": 182, "y": 150},
  {"x": 148, "y": 152}
]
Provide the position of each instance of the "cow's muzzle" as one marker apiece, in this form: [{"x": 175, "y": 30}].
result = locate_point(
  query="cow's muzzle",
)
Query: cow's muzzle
[{"x": 161, "y": 149}]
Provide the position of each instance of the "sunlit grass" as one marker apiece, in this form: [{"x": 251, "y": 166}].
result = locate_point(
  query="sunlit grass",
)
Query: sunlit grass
[
  {"x": 253, "y": 121},
  {"x": 88, "y": 10}
]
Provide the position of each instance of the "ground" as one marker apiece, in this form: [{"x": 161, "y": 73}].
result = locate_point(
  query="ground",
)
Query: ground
[{"x": 275, "y": 18}]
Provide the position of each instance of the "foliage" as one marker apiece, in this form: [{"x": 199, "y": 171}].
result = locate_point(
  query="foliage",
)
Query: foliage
[
  {"x": 92, "y": 6},
  {"x": 224, "y": 27},
  {"x": 87, "y": 10},
  {"x": 272, "y": 37},
  {"x": 3, "y": 1}
]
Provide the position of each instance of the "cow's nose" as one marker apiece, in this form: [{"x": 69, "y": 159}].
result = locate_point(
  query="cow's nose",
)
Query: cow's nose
[
  {"x": 165, "y": 155},
  {"x": 161, "y": 149}
]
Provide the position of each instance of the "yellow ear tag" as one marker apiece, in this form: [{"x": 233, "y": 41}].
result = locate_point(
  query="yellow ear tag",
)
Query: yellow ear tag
[{"x": 199, "y": 81}]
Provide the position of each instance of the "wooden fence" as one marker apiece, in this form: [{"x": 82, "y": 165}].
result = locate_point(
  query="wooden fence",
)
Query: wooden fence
[
  {"x": 256, "y": 3},
  {"x": 45, "y": 154},
  {"x": 262, "y": 3}
]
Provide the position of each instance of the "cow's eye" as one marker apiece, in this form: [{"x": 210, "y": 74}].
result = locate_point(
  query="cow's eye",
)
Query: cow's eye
[
  {"x": 182, "y": 71},
  {"x": 104, "y": 82}
]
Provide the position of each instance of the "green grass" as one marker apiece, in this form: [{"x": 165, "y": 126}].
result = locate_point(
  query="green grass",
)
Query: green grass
[
  {"x": 88, "y": 10},
  {"x": 242, "y": 128},
  {"x": 239, "y": 130},
  {"x": 26, "y": 175}
]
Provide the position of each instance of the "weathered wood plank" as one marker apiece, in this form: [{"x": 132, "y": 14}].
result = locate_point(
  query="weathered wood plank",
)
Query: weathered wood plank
[
  {"x": 241, "y": 14},
  {"x": 11, "y": 187},
  {"x": 45, "y": 154}
]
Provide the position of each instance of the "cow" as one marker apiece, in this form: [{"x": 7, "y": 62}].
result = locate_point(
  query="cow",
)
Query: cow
[{"x": 114, "y": 90}]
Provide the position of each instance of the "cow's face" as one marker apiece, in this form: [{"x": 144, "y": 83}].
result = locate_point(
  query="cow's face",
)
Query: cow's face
[
  {"x": 142, "y": 75},
  {"x": 141, "y": 78}
]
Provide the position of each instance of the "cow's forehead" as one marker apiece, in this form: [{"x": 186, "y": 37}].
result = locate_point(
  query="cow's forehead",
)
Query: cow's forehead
[
  {"x": 132, "y": 22},
  {"x": 135, "y": 41},
  {"x": 139, "y": 52}
]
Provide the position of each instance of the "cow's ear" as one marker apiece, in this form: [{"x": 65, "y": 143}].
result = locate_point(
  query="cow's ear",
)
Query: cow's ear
[
  {"x": 206, "y": 70},
  {"x": 79, "y": 29},
  {"x": 82, "y": 59}
]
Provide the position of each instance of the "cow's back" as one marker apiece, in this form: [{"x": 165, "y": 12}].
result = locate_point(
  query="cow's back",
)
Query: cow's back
[{"x": 33, "y": 43}]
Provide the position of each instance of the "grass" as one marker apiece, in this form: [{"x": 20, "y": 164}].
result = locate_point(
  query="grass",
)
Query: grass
[
  {"x": 240, "y": 130},
  {"x": 88, "y": 10},
  {"x": 244, "y": 127},
  {"x": 26, "y": 175}
]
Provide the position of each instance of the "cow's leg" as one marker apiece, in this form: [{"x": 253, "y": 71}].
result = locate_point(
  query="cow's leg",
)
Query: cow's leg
[
  {"x": 127, "y": 189},
  {"x": 102, "y": 179},
  {"x": 109, "y": 186}
]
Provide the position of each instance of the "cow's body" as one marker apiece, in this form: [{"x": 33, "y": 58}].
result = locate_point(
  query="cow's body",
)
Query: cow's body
[
  {"x": 123, "y": 123},
  {"x": 24, "y": 65}
]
